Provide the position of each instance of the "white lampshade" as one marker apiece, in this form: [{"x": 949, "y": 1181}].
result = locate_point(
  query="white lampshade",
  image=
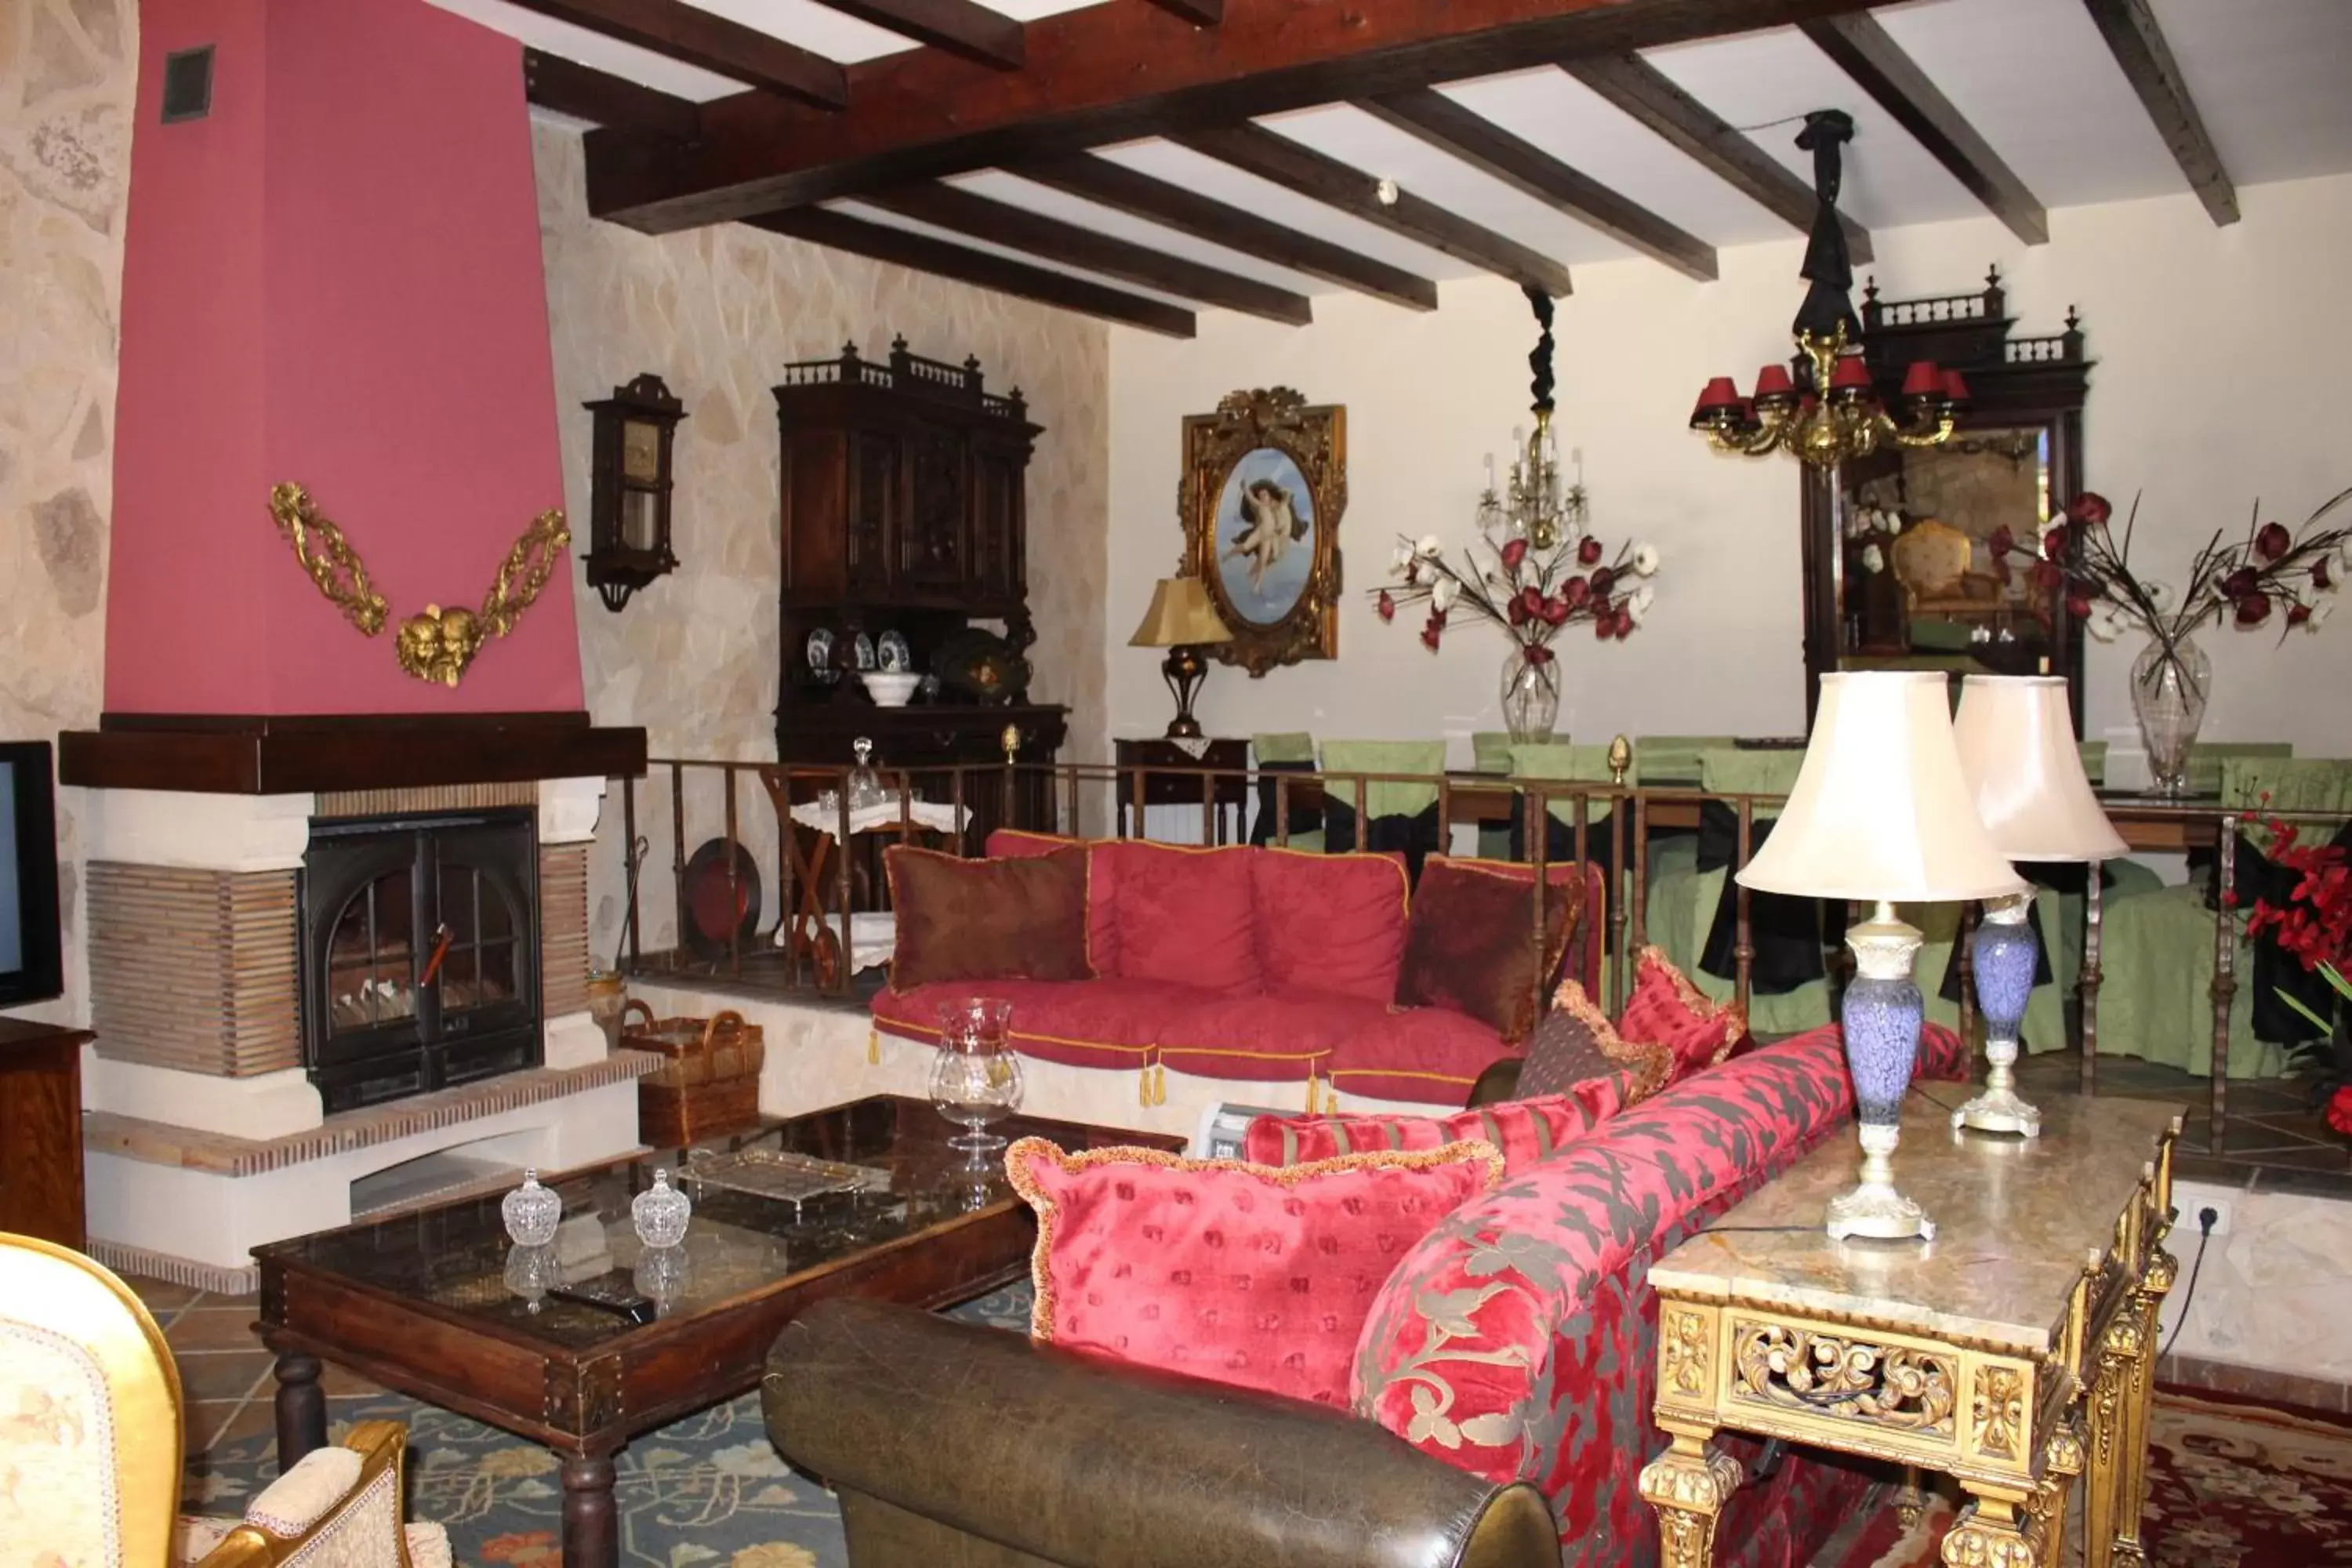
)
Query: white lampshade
[
  {"x": 2017, "y": 749},
  {"x": 1881, "y": 808}
]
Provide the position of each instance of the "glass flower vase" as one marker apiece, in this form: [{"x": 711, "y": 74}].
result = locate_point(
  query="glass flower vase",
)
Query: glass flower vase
[
  {"x": 1530, "y": 696},
  {"x": 2168, "y": 687}
]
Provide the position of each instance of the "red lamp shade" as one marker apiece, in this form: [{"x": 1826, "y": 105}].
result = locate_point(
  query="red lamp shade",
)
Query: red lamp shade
[
  {"x": 1773, "y": 384},
  {"x": 1718, "y": 397},
  {"x": 1923, "y": 380},
  {"x": 1955, "y": 389},
  {"x": 1851, "y": 376}
]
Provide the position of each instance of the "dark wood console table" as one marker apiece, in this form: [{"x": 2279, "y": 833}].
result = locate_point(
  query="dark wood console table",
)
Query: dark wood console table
[{"x": 40, "y": 1106}]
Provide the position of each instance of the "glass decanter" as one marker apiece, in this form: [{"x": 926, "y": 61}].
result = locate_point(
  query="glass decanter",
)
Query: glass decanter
[
  {"x": 865, "y": 784},
  {"x": 659, "y": 1213},
  {"x": 531, "y": 1212},
  {"x": 976, "y": 1076}
]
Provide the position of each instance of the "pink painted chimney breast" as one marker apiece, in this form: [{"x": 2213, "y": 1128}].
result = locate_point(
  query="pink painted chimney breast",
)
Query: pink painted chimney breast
[{"x": 334, "y": 278}]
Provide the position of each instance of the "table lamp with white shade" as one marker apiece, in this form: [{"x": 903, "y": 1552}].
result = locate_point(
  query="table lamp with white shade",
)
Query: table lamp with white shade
[
  {"x": 1881, "y": 811},
  {"x": 2017, "y": 746}
]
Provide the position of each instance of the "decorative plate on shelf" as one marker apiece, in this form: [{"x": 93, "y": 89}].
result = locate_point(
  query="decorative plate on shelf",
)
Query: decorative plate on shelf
[
  {"x": 819, "y": 651},
  {"x": 894, "y": 653},
  {"x": 708, "y": 923},
  {"x": 864, "y": 648}
]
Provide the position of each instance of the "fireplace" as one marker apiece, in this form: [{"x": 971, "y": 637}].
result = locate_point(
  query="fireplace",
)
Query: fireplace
[{"x": 420, "y": 949}]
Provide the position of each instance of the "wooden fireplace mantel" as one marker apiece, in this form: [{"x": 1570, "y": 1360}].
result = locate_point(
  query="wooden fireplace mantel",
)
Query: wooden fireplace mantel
[{"x": 243, "y": 753}]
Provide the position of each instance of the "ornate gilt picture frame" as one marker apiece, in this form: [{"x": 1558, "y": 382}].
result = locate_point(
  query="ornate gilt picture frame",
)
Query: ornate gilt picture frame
[{"x": 1264, "y": 486}]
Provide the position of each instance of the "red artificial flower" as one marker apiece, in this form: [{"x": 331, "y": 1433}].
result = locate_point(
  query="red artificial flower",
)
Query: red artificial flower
[
  {"x": 1555, "y": 610},
  {"x": 1603, "y": 579},
  {"x": 2240, "y": 583},
  {"x": 1604, "y": 623},
  {"x": 2319, "y": 578},
  {"x": 2090, "y": 508},
  {"x": 2297, "y": 614},
  {"x": 1387, "y": 605},
  {"x": 2253, "y": 609},
  {"x": 1537, "y": 654},
  {"x": 2273, "y": 541},
  {"x": 2000, "y": 543},
  {"x": 2229, "y": 898},
  {"x": 1514, "y": 552},
  {"x": 1433, "y": 630},
  {"x": 2049, "y": 576},
  {"x": 1532, "y": 597},
  {"x": 1515, "y": 609},
  {"x": 2078, "y": 607},
  {"x": 2339, "y": 1110},
  {"x": 1589, "y": 552},
  {"x": 1576, "y": 590},
  {"x": 1624, "y": 623},
  {"x": 2054, "y": 543}
]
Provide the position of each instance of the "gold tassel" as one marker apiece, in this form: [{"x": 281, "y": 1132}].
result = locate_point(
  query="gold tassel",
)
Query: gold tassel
[
  {"x": 873, "y": 1047},
  {"x": 1160, "y": 1082},
  {"x": 1143, "y": 1086},
  {"x": 1310, "y": 1094}
]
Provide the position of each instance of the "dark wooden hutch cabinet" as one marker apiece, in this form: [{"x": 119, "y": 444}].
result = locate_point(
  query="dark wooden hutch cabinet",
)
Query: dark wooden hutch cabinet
[{"x": 904, "y": 510}]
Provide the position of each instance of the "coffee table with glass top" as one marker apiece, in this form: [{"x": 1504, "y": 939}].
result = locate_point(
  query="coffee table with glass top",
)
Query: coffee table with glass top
[{"x": 428, "y": 1304}]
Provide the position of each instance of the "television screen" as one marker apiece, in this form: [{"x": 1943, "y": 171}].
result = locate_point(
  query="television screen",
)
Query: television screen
[{"x": 30, "y": 960}]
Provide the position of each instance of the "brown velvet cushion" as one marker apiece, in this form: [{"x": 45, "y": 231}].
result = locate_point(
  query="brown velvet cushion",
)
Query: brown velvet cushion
[
  {"x": 1470, "y": 945},
  {"x": 1576, "y": 1044},
  {"x": 987, "y": 920}
]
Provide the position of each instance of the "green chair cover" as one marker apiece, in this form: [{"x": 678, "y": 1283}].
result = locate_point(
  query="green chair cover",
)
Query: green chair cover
[
  {"x": 1422, "y": 757},
  {"x": 2206, "y": 759},
  {"x": 1490, "y": 750},
  {"x": 1287, "y": 746},
  {"x": 1558, "y": 759},
  {"x": 1673, "y": 759},
  {"x": 2095, "y": 761}
]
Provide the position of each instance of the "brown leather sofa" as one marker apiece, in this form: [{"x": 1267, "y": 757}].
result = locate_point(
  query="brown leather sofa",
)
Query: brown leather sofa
[{"x": 953, "y": 1446}]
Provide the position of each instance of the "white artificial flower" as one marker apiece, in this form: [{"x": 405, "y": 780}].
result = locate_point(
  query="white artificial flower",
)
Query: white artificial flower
[
  {"x": 1440, "y": 597},
  {"x": 2159, "y": 594},
  {"x": 1401, "y": 560},
  {"x": 2103, "y": 622},
  {"x": 1638, "y": 604},
  {"x": 1645, "y": 559},
  {"x": 1429, "y": 547},
  {"x": 2320, "y": 610},
  {"x": 1873, "y": 561}
]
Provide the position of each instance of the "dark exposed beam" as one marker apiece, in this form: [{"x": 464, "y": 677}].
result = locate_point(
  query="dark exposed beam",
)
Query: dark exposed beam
[
  {"x": 584, "y": 92},
  {"x": 1115, "y": 186},
  {"x": 2137, "y": 43},
  {"x": 1877, "y": 64},
  {"x": 959, "y": 26},
  {"x": 1452, "y": 129},
  {"x": 1651, "y": 96},
  {"x": 1258, "y": 151},
  {"x": 701, "y": 39},
  {"x": 1110, "y": 72},
  {"x": 1199, "y": 13},
  {"x": 924, "y": 254},
  {"x": 1002, "y": 223}
]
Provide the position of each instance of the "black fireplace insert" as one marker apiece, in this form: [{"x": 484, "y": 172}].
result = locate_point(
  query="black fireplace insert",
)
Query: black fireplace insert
[{"x": 420, "y": 953}]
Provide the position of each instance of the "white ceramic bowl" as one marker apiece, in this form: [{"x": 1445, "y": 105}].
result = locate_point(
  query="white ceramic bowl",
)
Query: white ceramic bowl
[{"x": 889, "y": 689}]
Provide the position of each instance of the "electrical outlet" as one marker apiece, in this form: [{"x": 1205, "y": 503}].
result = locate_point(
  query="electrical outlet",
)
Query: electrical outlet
[
  {"x": 2190, "y": 1199},
  {"x": 2221, "y": 1209}
]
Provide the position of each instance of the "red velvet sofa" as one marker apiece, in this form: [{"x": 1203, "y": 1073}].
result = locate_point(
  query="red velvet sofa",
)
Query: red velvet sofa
[{"x": 1248, "y": 964}]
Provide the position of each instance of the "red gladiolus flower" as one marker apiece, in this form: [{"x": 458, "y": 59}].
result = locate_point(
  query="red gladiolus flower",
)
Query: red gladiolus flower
[
  {"x": 2090, "y": 508},
  {"x": 1589, "y": 552},
  {"x": 1537, "y": 654},
  {"x": 2239, "y": 583},
  {"x": 1514, "y": 552},
  {"x": 2253, "y": 609},
  {"x": 1387, "y": 605},
  {"x": 2297, "y": 614},
  {"x": 2273, "y": 541},
  {"x": 1575, "y": 591},
  {"x": 1555, "y": 610},
  {"x": 1603, "y": 579}
]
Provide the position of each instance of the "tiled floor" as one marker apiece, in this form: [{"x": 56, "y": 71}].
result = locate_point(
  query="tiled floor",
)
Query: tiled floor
[
  {"x": 225, "y": 1387},
  {"x": 2273, "y": 1139}
]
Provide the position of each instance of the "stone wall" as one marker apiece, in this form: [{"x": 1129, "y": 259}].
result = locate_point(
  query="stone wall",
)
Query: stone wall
[
  {"x": 66, "y": 68},
  {"x": 715, "y": 313}
]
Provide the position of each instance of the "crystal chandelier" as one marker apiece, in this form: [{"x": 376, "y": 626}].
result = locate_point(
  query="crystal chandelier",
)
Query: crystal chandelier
[
  {"x": 1829, "y": 411},
  {"x": 1536, "y": 505}
]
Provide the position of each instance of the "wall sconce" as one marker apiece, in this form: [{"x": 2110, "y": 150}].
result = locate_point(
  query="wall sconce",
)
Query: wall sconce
[{"x": 629, "y": 488}]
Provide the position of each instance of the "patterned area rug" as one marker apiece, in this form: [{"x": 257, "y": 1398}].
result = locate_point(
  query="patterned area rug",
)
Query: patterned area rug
[
  {"x": 708, "y": 1490},
  {"x": 2232, "y": 1484}
]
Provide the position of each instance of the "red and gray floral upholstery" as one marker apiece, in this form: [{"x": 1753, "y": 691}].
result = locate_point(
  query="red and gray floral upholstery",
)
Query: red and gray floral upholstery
[{"x": 1517, "y": 1341}]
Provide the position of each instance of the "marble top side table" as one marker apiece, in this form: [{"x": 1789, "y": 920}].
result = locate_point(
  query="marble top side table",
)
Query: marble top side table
[{"x": 2015, "y": 1352}]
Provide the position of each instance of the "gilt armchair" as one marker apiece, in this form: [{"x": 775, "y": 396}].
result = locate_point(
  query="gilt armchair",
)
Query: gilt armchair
[{"x": 1931, "y": 560}]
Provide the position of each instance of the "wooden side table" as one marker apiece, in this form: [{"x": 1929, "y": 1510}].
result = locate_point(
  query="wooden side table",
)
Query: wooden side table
[
  {"x": 1185, "y": 784},
  {"x": 2015, "y": 1352},
  {"x": 40, "y": 1106}
]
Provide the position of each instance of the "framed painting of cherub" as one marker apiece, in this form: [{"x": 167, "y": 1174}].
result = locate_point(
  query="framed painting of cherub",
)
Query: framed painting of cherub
[{"x": 1265, "y": 484}]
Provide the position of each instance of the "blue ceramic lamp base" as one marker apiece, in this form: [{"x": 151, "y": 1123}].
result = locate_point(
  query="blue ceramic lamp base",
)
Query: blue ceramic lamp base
[
  {"x": 2003, "y": 962},
  {"x": 1881, "y": 1016}
]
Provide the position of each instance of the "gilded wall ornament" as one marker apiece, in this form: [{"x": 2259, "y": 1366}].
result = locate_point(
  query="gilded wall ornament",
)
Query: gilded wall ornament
[
  {"x": 1265, "y": 485},
  {"x": 435, "y": 645}
]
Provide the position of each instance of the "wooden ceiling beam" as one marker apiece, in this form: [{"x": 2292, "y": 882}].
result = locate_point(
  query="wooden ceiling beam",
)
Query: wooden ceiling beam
[
  {"x": 2137, "y": 42},
  {"x": 1199, "y": 13},
  {"x": 1115, "y": 186},
  {"x": 1862, "y": 49},
  {"x": 1651, "y": 97},
  {"x": 1110, "y": 72},
  {"x": 1461, "y": 132},
  {"x": 960, "y": 27},
  {"x": 1255, "y": 149},
  {"x": 583, "y": 92},
  {"x": 922, "y": 253},
  {"x": 1002, "y": 223},
  {"x": 703, "y": 38}
]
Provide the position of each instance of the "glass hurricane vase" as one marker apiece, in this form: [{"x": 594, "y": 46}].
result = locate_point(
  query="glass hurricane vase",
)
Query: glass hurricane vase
[
  {"x": 976, "y": 1076},
  {"x": 2168, "y": 691},
  {"x": 1530, "y": 696}
]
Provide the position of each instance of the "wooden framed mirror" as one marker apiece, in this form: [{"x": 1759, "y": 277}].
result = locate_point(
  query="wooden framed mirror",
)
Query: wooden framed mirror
[{"x": 1903, "y": 562}]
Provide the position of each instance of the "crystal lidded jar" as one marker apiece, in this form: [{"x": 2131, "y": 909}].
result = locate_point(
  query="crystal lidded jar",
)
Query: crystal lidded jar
[
  {"x": 659, "y": 1213},
  {"x": 531, "y": 1212}
]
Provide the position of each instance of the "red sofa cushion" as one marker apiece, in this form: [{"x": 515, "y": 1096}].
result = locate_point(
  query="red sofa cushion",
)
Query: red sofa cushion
[
  {"x": 1666, "y": 1009},
  {"x": 1281, "y": 1037},
  {"x": 1526, "y": 1131},
  {"x": 1426, "y": 1055},
  {"x": 1184, "y": 914},
  {"x": 1241, "y": 1274},
  {"x": 1081, "y": 1023},
  {"x": 1330, "y": 922},
  {"x": 1102, "y": 916}
]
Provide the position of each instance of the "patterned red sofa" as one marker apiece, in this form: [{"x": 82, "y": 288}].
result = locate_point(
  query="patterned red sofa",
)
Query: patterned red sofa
[{"x": 1249, "y": 965}]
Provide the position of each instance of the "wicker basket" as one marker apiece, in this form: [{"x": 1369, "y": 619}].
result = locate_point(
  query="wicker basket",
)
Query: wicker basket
[{"x": 710, "y": 1086}]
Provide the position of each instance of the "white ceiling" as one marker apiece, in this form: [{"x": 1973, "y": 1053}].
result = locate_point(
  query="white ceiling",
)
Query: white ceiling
[{"x": 2033, "y": 77}]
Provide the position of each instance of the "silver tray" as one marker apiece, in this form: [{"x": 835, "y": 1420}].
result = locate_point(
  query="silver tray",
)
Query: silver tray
[{"x": 781, "y": 1175}]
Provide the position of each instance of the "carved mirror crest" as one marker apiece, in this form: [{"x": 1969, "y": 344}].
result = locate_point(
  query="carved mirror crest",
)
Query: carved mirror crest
[{"x": 1265, "y": 482}]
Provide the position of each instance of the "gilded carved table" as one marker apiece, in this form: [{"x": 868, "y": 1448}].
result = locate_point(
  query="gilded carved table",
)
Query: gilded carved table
[{"x": 2015, "y": 1352}]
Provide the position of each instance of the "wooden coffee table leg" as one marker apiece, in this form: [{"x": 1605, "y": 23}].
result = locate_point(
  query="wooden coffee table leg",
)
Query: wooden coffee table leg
[
  {"x": 590, "y": 1529},
  {"x": 301, "y": 1409}
]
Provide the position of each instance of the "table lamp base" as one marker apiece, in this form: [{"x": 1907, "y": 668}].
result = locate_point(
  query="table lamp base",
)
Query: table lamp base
[
  {"x": 1875, "y": 1208},
  {"x": 2003, "y": 958},
  {"x": 1880, "y": 1016}
]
